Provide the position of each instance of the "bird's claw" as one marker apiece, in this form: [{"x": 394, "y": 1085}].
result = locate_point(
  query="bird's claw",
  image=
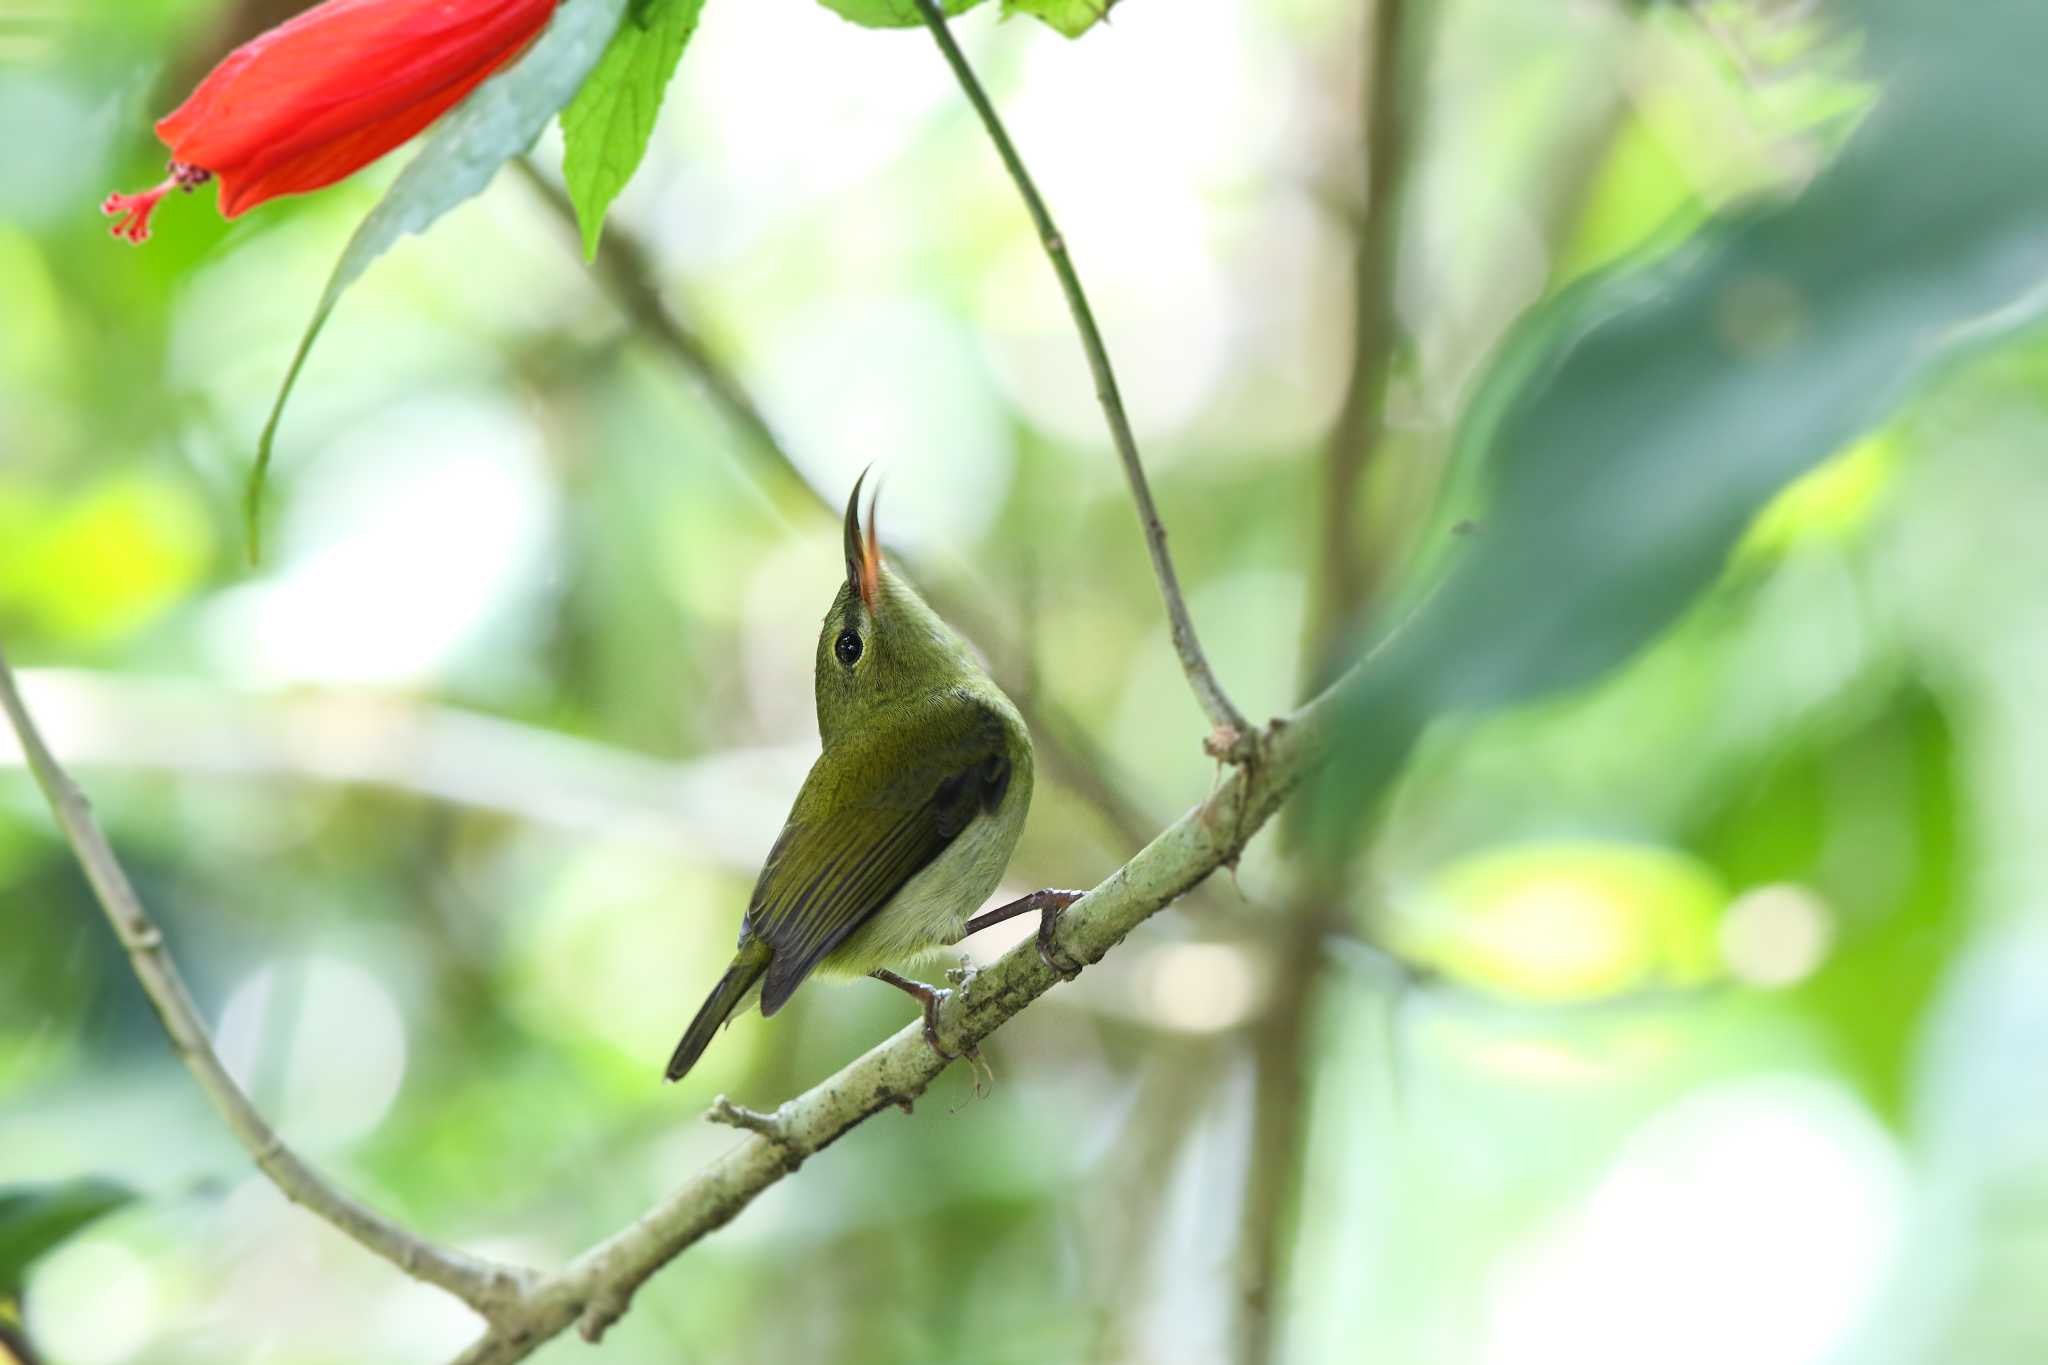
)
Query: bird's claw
[
  {"x": 1049, "y": 950},
  {"x": 931, "y": 1029}
]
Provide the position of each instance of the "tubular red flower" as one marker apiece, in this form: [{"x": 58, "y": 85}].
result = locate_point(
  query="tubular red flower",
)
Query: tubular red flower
[{"x": 324, "y": 94}]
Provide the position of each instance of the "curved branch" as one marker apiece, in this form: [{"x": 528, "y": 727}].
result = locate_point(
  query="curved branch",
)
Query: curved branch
[
  {"x": 1232, "y": 739},
  {"x": 525, "y": 1309},
  {"x": 489, "y": 1288},
  {"x": 596, "y": 1288}
]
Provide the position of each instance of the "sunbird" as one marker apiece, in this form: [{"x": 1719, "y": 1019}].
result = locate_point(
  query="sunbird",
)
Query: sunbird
[{"x": 907, "y": 819}]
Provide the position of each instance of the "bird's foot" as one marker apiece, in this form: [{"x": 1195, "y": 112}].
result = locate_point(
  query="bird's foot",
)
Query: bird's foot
[
  {"x": 930, "y": 997},
  {"x": 1048, "y": 905},
  {"x": 1049, "y": 950}
]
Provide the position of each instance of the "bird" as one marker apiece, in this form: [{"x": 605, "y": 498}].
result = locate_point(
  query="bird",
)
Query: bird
[{"x": 907, "y": 820}]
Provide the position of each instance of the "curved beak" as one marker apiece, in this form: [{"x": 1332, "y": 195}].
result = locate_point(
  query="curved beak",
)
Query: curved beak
[{"x": 863, "y": 553}]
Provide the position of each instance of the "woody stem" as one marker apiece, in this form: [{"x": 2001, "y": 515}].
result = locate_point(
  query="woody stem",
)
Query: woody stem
[{"x": 1232, "y": 738}]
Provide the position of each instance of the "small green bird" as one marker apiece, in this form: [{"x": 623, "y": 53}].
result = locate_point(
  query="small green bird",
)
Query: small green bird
[{"x": 907, "y": 819}]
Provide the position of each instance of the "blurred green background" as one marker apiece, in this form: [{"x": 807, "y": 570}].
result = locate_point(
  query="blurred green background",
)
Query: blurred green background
[{"x": 1685, "y": 992}]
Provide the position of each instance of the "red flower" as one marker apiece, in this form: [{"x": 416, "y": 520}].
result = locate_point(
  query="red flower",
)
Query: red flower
[{"x": 321, "y": 96}]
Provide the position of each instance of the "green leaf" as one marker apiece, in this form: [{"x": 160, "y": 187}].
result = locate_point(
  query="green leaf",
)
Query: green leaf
[
  {"x": 1071, "y": 17},
  {"x": 606, "y": 127},
  {"x": 1886, "y": 783},
  {"x": 463, "y": 152},
  {"x": 890, "y": 13},
  {"x": 36, "y": 1218},
  {"x": 1639, "y": 421}
]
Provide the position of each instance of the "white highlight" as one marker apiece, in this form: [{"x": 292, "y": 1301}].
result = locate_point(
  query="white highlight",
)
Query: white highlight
[
  {"x": 320, "y": 1045},
  {"x": 1776, "y": 935},
  {"x": 1755, "y": 1222}
]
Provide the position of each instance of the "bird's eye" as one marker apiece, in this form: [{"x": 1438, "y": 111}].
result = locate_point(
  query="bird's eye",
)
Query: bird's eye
[{"x": 847, "y": 647}]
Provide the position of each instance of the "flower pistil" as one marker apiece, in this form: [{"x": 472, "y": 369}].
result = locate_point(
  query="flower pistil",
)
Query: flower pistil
[{"x": 134, "y": 210}]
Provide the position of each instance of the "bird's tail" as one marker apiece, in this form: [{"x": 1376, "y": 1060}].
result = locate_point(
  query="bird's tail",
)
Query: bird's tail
[{"x": 726, "y": 996}]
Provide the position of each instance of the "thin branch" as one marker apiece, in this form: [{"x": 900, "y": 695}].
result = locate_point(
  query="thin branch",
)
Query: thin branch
[
  {"x": 488, "y": 1288},
  {"x": 628, "y": 275},
  {"x": 1345, "y": 573},
  {"x": 1231, "y": 739}
]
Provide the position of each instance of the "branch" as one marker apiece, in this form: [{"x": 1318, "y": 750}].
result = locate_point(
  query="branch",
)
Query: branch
[
  {"x": 1343, "y": 584},
  {"x": 1344, "y": 578},
  {"x": 1280, "y": 1114},
  {"x": 1232, "y": 739},
  {"x": 525, "y": 1309},
  {"x": 488, "y": 1288},
  {"x": 596, "y": 1288},
  {"x": 627, "y": 274}
]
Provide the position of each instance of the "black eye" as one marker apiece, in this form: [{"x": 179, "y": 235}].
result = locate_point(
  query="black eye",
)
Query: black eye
[{"x": 847, "y": 647}]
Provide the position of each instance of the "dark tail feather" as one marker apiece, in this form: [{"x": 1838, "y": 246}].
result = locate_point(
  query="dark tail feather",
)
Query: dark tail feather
[{"x": 725, "y": 998}]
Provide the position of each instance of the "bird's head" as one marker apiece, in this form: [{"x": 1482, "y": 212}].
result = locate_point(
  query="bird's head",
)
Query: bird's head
[{"x": 880, "y": 644}]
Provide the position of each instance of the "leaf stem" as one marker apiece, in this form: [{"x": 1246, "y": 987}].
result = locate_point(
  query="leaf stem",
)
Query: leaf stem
[{"x": 1232, "y": 737}]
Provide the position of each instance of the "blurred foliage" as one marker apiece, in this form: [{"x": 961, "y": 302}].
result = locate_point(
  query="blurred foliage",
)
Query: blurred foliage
[
  {"x": 33, "y": 1220},
  {"x": 1687, "y": 1003},
  {"x": 1634, "y": 427}
]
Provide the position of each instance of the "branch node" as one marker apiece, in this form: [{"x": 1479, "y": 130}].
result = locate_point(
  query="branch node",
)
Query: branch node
[
  {"x": 606, "y": 1307},
  {"x": 1232, "y": 744},
  {"x": 769, "y": 1126}
]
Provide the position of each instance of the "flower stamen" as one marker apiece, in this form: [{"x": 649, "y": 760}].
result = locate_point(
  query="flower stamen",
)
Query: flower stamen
[{"x": 134, "y": 210}]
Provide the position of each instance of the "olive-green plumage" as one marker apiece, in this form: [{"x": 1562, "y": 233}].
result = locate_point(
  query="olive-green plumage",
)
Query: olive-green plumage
[{"x": 907, "y": 819}]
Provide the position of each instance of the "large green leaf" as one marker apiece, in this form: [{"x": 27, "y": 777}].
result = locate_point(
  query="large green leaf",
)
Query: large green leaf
[
  {"x": 1071, "y": 17},
  {"x": 36, "y": 1218},
  {"x": 1638, "y": 422},
  {"x": 464, "y": 151},
  {"x": 606, "y": 127}
]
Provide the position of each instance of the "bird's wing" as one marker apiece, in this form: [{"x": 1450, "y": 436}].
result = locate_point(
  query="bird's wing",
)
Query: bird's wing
[{"x": 893, "y": 808}]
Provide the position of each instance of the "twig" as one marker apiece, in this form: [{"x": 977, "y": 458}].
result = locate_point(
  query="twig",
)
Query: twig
[
  {"x": 1231, "y": 739},
  {"x": 489, "y": 1288},
  {"x": 754, "y": 1121},
  {"x": 626, "y": 272},
  {"x": 1344, "y": 576}
]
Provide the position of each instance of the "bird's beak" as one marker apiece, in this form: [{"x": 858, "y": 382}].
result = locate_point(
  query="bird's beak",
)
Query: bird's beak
[{"x": 863, "y": 553}]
